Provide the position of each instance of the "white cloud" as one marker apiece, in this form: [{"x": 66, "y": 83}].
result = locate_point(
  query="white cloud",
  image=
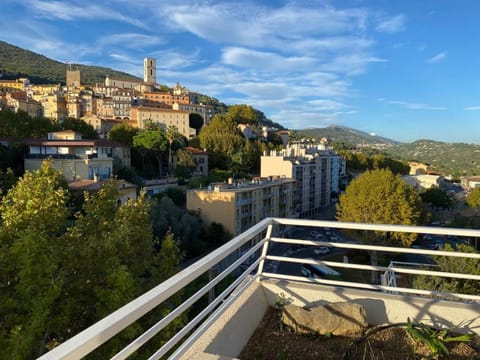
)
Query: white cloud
[
  {"x": 392, "y": 24},
  {"x": 130, "y": 40},
  {"x": 439, "y": 57},
  {"x": 472, "y": 108},
  {"x": 266, "y": 61},
  {"x": 269, "y": 27},
  {"x": 69, "y": 11},
  {"x": 416, "y": 106}
]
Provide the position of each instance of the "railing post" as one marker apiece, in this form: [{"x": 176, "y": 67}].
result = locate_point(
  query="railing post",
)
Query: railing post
[{"x": 264, "y": 250}]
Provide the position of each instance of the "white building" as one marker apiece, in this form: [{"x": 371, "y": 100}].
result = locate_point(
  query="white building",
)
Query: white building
[{"x": 316, "y": 169}]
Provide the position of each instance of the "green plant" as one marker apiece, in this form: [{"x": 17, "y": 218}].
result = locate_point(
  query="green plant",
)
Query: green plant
[{"x": 435, "y": 340}]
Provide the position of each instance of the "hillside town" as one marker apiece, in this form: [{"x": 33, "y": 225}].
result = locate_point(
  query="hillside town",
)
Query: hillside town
[{"x": 166, "y": 188}]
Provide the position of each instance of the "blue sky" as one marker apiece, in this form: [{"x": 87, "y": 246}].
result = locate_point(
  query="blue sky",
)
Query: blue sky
[{"x": 406, "y": 70}]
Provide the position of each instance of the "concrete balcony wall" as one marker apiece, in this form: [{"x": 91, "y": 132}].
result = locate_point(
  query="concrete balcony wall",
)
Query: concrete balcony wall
[{"x": 226, "y": 338}]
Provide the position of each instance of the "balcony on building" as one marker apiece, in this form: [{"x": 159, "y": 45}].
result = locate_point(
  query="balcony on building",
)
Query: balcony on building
[{"x": 256, "y": 263}]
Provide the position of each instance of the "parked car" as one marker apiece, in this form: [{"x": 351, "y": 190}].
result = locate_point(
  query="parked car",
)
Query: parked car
[
  {"x": 315, "y": 234},
  {"x": 322, "y": 250}
]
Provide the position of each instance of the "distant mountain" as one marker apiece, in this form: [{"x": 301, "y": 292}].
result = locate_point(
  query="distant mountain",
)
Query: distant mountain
[
  {"x": 454, "y": 159},
  {"x": 344, "y": 134},
  {"x": 16, "y": 63}
]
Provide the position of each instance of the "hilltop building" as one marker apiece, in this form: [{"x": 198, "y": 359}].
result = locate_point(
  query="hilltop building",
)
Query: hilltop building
[
  {"x": 73, "y": 78},
  {"x": 150, "y": 70}
]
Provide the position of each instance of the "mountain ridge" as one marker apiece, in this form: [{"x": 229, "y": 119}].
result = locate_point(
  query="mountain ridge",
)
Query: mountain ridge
[{"x": 16, "y": 62}]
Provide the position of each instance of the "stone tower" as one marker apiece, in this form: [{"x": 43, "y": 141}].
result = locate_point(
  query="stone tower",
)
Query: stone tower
[
  {"x": 149, "y": 70},
  {"x": 73, "y": 77}
]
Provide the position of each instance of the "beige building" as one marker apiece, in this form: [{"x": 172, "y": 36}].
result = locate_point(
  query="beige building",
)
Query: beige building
[
  {"x": 18, "y": 101},
  {"x": 201, "y": 160},
  {"x": 164, "y": 118},
  {"x": 470, "y": 182},
  {"x": 316, "y": 168},
  {"x": 54, "y": 105},
  {"x": 422, "y": 182},
  {"x": 126, "y": 191},
  {"x": 78, "y": 159},
  {"x": 238, "y": 206},
  {"x": 9, "y": 86}
]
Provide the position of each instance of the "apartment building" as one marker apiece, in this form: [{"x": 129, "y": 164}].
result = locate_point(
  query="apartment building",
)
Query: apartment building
[
  {"x": 240, "y": 205},
  {"x": 77, "y": 158},
  {"x": 164, "y": 118},
  {"x": 18, "y": 101},
  {"x": 313, "y": 167},
  {"x": 163, "y": 97},
  {"x": 17, "y": 85}
]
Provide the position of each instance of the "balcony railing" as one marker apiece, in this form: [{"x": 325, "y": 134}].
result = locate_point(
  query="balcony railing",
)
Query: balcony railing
[{"x": 250, "y": 267}]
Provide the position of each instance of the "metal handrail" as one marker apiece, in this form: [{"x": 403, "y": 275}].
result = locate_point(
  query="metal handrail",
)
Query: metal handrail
[{"x": 91, "y": 338}]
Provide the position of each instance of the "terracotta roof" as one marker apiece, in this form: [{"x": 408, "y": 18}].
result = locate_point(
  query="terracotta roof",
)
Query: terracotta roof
[{"x": 195, "y": 151}]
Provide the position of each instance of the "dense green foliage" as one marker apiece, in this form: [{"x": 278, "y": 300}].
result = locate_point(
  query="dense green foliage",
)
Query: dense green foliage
[
  {"x": 227, "y": 147},
  {"x": 359, "y": 161},
  {"x": 123, "y": 133},
  {"x": 59, "y": 276},
  {"x": 342, "y": 134},
  {"x": 473, "y": 199},
  {"x": 455, "y": 265},
  {"x": 185, "y": 164},
  {"x": 16, "y": 63},
  {"x": 436, "y": 197},
  {"x": 380, "y": 197},
  {"x": 87, "y": 131},
  {"x": 20, "y": 125},
  {"x": 455, "y": 159}
]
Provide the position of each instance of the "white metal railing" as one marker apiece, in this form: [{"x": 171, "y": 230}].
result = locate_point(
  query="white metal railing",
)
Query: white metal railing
[{"x": 259, "y": 239}]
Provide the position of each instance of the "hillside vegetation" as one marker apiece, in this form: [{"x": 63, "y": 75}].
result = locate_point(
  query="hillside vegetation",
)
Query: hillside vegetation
[
  {"x": 345, "y": 135},
  {"x": 16, "y": 63},
  {"x": 456, "y": 159}
]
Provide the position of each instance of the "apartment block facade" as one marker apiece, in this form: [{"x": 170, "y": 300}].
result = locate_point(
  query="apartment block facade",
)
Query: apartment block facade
[
  {"x": 316, "y": 169},
  {"x": 238, "y": 206}
]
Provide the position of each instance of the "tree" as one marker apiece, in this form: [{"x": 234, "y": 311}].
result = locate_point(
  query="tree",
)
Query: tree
[
  {"x": 185, "y": 164},
  {"x": 455, "y": 265},
  {"x": 436, "y": 197},
  {"x": 380, "y": 197},
  {"x": 222, "y": 139},
  {"x": 7, "y": 180},
  {"x": 242, "y": 114},
  {"x": 152, "y": 140},
  {"x": 33, "y": 214},
  {"x": 123, "y": 133},
  {"x": 168, "y": 217},
  {"x": 173, "y": 137},
  {"x": 59, "y": 276},
  {"x": 86, "y": 130},
  {"x": 195, "y": 121},
  {"x": 473, "y": 199}
]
